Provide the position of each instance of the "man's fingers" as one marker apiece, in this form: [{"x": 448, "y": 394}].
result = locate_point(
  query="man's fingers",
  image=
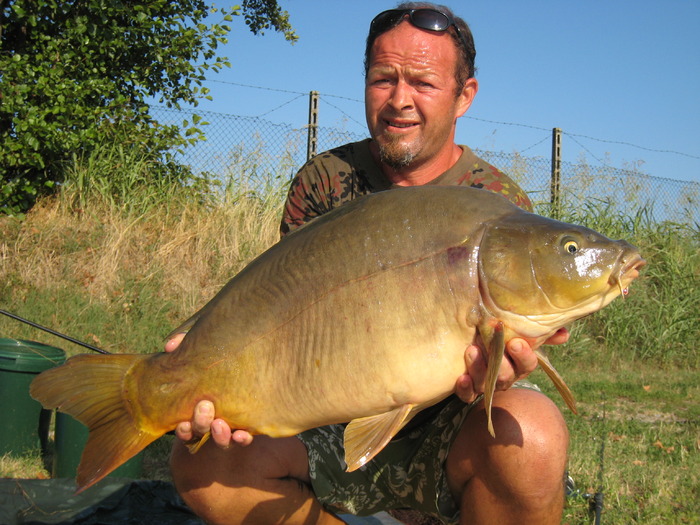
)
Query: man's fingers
[
  {"x": 522, "y": 361},
  {"x": 519, "y": 361},
  {"x": 465, "y": 389},
  {"x": 241, "y": 437},
  {"x": 560, "y": 337},
  {"x": 183, "y": 431},
  {"x": 221, "y": 433},
  {"x": 204, "y": 421},
  {"x": 203, "y": 417},
  {"x": 476, "y": 370}
]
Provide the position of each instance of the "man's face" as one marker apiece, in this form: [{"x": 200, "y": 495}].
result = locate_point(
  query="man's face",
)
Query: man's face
[{"x": 411, "y": 100}]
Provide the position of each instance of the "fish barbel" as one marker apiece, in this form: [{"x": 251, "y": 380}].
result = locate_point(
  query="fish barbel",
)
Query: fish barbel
[{"x": 361, "y": 316}]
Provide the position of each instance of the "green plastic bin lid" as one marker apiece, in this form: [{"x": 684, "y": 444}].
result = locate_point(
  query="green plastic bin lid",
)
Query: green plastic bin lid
[{"x": 28, "y": 356}]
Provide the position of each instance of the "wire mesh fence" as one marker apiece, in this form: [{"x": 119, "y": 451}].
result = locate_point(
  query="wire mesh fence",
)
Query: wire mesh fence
[
  {"x": 624, "y": 191},
  {"x": 261, "y": 150}
]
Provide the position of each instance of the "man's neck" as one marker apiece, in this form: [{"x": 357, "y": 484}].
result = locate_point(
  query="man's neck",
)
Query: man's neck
[{"x": 418, "y": 175}]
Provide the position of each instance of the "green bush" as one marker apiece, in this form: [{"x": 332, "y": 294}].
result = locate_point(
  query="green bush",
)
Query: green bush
[{"x": 71, "y": 70}]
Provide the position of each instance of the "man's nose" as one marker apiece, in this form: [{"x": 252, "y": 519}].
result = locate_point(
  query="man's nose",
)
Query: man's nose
[{"x": 401, "y": 96}]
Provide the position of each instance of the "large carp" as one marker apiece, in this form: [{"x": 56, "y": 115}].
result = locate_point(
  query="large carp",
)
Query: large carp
[{"x": 362, "y": 316}]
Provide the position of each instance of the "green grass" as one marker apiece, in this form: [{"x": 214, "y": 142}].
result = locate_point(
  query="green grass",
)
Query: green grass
[{"x": 647, "y": 418}]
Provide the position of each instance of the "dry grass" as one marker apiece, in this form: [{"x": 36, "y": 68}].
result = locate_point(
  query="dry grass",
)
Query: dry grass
[{"x": 121, "y": 264}]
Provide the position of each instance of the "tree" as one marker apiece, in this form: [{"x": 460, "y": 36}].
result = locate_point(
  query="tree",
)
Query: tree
[{"x": 75, "y": 71}]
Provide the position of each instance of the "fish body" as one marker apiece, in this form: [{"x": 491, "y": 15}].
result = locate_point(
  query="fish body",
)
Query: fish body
[{"x": 361, "y": 316}]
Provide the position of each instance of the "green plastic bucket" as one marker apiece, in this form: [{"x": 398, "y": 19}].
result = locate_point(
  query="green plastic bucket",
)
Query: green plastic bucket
[
  {"x": 25, "y": 423},
  {"x": 71, "y": 436}
]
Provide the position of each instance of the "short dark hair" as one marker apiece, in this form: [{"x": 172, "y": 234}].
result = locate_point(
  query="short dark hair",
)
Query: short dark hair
[{"x": 465, "y": 68}]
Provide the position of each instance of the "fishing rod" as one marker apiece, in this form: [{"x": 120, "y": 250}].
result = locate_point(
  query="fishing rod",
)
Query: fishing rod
[
  {"x": 53, "y": 332},
  {"x": 597, "y": 501}
]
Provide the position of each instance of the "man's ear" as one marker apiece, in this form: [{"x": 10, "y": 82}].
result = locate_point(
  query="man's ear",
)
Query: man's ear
[{"x": 466, "y": 97}]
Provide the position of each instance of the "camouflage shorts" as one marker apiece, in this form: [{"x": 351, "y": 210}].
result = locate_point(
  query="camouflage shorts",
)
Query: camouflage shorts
[{"x": 408, "y": 473}]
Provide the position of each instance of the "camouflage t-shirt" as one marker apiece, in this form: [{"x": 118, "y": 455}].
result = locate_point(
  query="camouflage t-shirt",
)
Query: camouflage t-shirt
[{"x": 345, "y": 173}]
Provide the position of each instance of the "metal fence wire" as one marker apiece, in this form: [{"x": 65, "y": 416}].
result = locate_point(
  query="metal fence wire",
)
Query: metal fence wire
[{"x": 259, "y": 150}]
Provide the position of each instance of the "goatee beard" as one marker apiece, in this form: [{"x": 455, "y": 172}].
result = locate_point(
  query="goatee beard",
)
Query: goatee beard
[{"x": 395, "y": 154}]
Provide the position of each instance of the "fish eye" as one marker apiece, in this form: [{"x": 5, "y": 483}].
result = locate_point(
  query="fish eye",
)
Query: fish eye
[{"x": 571, "y": 246}]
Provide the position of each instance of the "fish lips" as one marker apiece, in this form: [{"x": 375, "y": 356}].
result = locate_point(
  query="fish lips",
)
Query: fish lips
[{"x": 629, "y": 271}]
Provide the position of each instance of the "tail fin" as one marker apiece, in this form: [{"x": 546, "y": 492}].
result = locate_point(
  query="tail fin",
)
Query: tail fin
[{"x": 91, "y": 389}]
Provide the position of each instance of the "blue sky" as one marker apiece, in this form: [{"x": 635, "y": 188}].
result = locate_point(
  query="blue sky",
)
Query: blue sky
[{"x": 617, "y": 71}]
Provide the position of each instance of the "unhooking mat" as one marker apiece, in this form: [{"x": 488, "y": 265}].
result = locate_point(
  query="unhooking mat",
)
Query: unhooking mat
[{"x": 113, "y": 501}]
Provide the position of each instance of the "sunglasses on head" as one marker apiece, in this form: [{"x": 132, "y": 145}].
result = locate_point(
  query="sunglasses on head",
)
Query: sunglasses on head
[{"x": 429, "y": 19}]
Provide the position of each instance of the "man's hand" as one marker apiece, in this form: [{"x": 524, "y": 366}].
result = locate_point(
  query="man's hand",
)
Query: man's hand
[
  {"x": 518, "y": 362},
  {"x": 204, "y": 421}
]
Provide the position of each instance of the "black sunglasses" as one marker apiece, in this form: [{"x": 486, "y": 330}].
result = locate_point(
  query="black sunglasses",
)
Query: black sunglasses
[{"x": 429, "y": 19}]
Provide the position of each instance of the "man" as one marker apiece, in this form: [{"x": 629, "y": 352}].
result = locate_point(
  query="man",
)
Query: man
[{"x": 419, "y": 80}]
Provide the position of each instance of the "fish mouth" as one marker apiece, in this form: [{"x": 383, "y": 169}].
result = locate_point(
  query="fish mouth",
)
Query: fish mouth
[{"x": 629, "y": 271}]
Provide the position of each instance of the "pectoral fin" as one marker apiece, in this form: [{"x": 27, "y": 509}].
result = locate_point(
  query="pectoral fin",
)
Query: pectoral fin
[
  {"x": 557, "y": 380},
  {"x": 497, "y": 346},
  {"x": 365, "y": 437}
]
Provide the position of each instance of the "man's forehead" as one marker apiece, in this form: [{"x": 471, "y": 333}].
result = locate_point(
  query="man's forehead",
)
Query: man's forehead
[
  {"x": 408, "y": 69},
  {"x": 417, "y": 53},
  {"x": 408, "y": 41}
]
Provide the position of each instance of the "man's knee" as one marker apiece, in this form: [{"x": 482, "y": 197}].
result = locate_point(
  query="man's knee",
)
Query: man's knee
[{"x": 526, "y": 459}]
